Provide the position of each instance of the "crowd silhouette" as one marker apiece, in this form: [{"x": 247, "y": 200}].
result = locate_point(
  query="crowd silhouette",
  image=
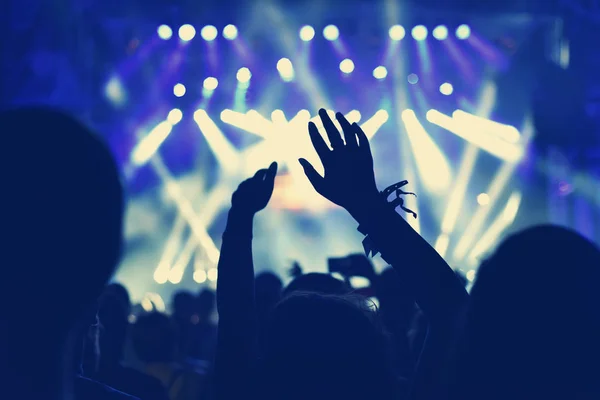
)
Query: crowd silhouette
[{"x": 528, "y": 329}]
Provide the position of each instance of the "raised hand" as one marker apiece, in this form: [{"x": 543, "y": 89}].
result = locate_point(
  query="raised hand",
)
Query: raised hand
[
  {"x": 349, "y": 179},
  {"x": 254, "y": 193}
]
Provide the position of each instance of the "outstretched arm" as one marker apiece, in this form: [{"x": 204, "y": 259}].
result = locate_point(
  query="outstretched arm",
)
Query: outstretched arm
[
  {"x": 236, "y": 346},
  {"x": 349, "y": 181}
]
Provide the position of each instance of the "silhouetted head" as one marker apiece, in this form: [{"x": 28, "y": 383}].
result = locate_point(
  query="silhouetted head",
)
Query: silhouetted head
[
  {"x": 62, "y": 217},
  {"x": 113, "y": 317},
  {"x": 153, "y": 338},
  {"x": 324, "y": 347},
  {"x": 120, "y": 292},
  {"x": 184, "y": 305},
  {"x": 317, "y": 283},
  {"x": 268, "y": 288},
  {"x": 205, "y": 304},
  {"x": 534, "y": 321}
]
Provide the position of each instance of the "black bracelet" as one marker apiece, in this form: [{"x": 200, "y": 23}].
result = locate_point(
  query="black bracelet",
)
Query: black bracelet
[{"x": 367, "y": 242}]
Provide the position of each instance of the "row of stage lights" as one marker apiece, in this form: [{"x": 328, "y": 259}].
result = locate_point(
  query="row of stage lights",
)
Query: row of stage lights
[
  {"x": 307, "y": 33},
  {"x": 243, "y": 76}
]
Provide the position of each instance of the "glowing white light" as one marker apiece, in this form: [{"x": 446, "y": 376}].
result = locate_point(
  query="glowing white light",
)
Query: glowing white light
[
  {"x": 446, "y": 89},
  {"x": 380, "y": 72},
  {"x": 179, "y": 90},
  {"x": 209, "y": 33},
  {"x": 200, "y": 276},
  {"x": 397, "y": 32},
  {"x": 175, "y": 116},
  {"x": 187, "y": 32},
  {"x": 347, "y": 66},
  {"x": 483, "y": 199},
  {"x": 419, "y": 32},
  {"x": 212, "y": 274},
  {"x": 210, "y": 83},
  {"x": 440, "y": 32},
  {"x": 463, "y": 32},
  {"x": 114, "y": 90},
  {"x": 286, "y": 69},
  {"x": 307, "y": 33},
  {"x": 413, "y": 79},
  {"x": 230, "y": 32},
  {"x": 161, "y": 276},
  {"x": 331, "y": 32},
  {"x": 164, "y": 32},
  {"x": 243, "y": 75},
  {"x": 148, "y": 146},
  {"x": 471, "y": 275}
]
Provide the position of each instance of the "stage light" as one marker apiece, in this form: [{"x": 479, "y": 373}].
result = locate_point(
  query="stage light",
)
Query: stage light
[
  {"x": 463, "y": 32},
  {"x": 446, "y": 89},
  {"x": 200, "y": 276},
  {"x": 380, "y": 72},
  {"x": 347, "y": 66},
  {"x": 307, "y": 33},
  {"x": 483, "y": 199},
  {"x": 212, "y": 274},
  {"x": 179, "y": 90},
  {"x": 148, "y": 146},
  {"x": 397, "y": 32},
  {"x": 413, "y": 79},
  {"x": 230, "y": 32},
  {"x": 175, "y": 116},
  {"x": 419, "y": 33},
  {"x": 209, "y": 33},
  {"x": 286, "y": 69},
  {"x": 471, "y": 275},
  {"x": 243, "y": 75},
  {"x": 165, "y": 32},
  {"x": 440, "y": 32},
  {"x": 187, "y": 32},
  {"x": 331, "y": 32},
  {"x": 210, "y": 83}
]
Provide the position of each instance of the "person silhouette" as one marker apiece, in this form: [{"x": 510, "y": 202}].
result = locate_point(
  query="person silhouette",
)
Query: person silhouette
[
  {"x": 533, "y": 323},
  {"x": 62, "y": 227}
]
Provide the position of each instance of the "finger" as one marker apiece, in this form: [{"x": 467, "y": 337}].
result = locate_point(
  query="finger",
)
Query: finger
[
  {"x": 363, "y": 142},
  {"x": 260, "y": 174},
  {"x": 332, "y": 132},
  {"x": 270, "y": 178},
  {"x": 317, "y": 140},
  {"x": 349, "y": 131},
  {"x": 272, "y": 170},
  {"x": 313, "y": 176}
]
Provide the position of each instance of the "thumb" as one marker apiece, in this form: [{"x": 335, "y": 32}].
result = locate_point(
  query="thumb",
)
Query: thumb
[{"x": 313, "y": 176}]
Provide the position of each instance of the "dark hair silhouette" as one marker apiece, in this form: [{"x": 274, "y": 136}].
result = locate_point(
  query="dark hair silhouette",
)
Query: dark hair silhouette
[
  {"x": 62, "y": 222},
  {"x": 121, "y": 293},
  {"x": 205, "y": 304},
  {"x": 153, "y": 338},
  {"x": 323, "y": 347},
  {"x": 533, "y": 324},
  {"x": 318, "y": 283}
]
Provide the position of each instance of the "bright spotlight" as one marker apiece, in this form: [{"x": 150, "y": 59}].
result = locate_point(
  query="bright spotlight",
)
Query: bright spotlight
[
  {"x": 243, "y": 75},
  {"x": 187, "y": 32},
  {"x": 331, "y": 32},
  {"x": 397, "y": 32},
  {"x": 179, "y": 90},
  {"x": 347, "y": 66},
  {"x": 413, "y": 79},
  {"x": 463, "y": 32},
  {"x": 212, "y": 274},
  {"x": 483, "y": 199},
  {"x": 209, "y": 33},
  {"x": 419, "y": 32},
  {"x": 210, "y": 83},
  {"x": 446, "y": 89},
  {"x": 230, "y": 32},
  {"x": 286, "y": 69},
  {"x": 307, "y": 33},
  {"x": 200, "y": 276},
  {"x": 380, "y": 72},
  {"x": 440, "y": 32},
  {"x": 175, "y": 116},
  {"x": 471, "y": 275},
  {"x": 164, "y": 32}
]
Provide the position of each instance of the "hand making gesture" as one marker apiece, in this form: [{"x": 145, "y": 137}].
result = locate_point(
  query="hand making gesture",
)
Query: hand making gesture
[{"x": 349, "y": 180}]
